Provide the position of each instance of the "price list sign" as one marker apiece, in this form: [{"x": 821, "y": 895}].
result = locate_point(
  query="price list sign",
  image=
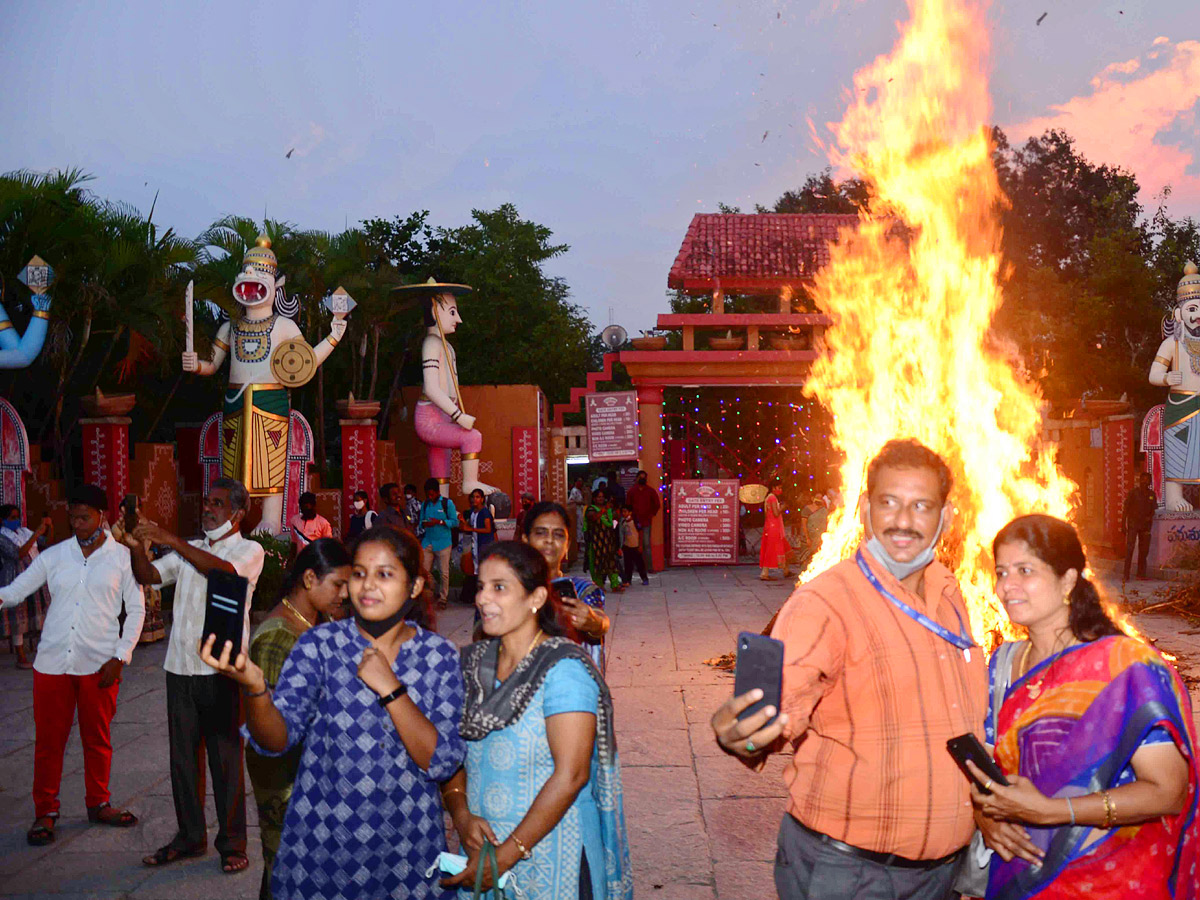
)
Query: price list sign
[
  {"x": 612, "y": 426},
  {"x": 704, "y": 522}
]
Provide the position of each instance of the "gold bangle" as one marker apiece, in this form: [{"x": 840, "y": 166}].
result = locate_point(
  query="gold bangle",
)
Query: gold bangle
[
  {"x": 1165, "y": 362},
  {"x": 1110, "y": 810},
  {"x": 332, "y": 341},
  {"x": 526, "y": 853},
  {"x": 220, "y": 344},
  {"x": 450, "y": 791},
  {"x": 41, "y": 314}
]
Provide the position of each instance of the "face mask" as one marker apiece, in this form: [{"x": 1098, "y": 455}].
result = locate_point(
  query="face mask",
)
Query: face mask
[
  {"x": 901, "y": 570},
  {"x": 11, "y": 524},
  {"x": 220, "y": 531},
  {"x": 93, "y": 537},
  {"x": 359, "y": 505},
  {"x": 377, "y": 628}
]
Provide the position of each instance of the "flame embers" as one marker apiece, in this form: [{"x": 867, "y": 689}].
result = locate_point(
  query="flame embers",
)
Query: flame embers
[{"x": 913, "y": 291}]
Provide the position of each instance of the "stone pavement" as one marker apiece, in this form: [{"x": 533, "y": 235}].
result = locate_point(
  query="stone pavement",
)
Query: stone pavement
[{"x": 701, "y": 826}]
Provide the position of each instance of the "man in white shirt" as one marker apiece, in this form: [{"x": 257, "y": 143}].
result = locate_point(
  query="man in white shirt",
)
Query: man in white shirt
[
  {"x": 79, "y": 660},
  {"x": 201, "y": 707}
]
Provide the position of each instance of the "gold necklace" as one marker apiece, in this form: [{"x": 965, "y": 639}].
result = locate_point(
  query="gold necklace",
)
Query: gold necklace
[
  {"x": 530, "y": 650},
  {"x": 295, "y": 612},
  {"x": 1035, "y": 687}
]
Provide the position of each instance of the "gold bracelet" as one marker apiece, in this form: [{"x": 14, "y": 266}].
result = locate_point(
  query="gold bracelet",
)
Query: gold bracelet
[
  {"x": 526, "y": 853},
  {"x": 456, "y": 790},
  {"x": 1110, "y": 810}
]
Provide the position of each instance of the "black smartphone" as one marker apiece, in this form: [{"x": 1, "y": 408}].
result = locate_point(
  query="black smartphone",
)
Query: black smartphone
[
  {"x": 225, "y": 611},
  {"x": 565, "y": 588},
  {"x": 129, "y": 508},
  {"x": 967, "y": 746},
  {"x": 759, "y": 665}
]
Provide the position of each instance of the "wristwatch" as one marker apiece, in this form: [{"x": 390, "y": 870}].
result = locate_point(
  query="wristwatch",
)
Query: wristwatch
[{"x": 394, "y": 695}]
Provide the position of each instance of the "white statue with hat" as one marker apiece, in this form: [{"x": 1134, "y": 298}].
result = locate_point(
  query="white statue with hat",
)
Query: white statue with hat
[
  {"x": 269, "y": 356},
  {"x": 1177, "y": 367},
  {"x": 441, "y": 422}
]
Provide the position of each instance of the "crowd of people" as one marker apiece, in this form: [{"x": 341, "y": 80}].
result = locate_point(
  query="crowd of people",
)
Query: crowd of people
[
  {"x": 363, "y": 732},
  {"x": 358, "y": 731}
]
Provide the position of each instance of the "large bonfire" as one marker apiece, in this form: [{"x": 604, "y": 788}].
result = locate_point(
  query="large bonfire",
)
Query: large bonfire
[{"x": 912, "y": 293}]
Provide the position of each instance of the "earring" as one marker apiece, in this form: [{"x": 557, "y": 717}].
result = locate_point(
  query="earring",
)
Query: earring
[
  {"x": 1066, "y": 599},
  {"x": 533, "y": 609}
]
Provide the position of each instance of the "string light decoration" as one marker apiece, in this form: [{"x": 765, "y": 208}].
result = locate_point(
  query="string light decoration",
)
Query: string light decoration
[{"x": 754, "y": 434}]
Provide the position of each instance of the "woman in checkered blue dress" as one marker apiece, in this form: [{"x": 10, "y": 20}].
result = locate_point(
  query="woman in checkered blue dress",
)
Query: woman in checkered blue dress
[{"x": 376, "y": 700}]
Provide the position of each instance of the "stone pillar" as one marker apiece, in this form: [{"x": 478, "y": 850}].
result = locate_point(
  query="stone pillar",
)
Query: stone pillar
[
  {"x": 358, "y": 463},
  {"x": 106, "y": 458},
  {"x": 650, "y": 435}
]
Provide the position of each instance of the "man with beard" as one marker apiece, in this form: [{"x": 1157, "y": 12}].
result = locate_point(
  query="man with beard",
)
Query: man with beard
[
  {"x": 79, "y": 660},
  {"x": 879, "y": 672},
  {"x": 1177, "y": 367},
  {"x": 202, "y": 708}
]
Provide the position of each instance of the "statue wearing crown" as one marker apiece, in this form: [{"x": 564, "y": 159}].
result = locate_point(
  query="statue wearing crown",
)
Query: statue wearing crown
[
  {"x": 1177, "y": 367},
  {"x": 269, "y": 356},
  {"x": 441, "y": 422}
]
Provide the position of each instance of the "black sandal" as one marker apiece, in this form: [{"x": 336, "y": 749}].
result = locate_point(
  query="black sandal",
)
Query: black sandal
[
  {"x": 233, "y": 862},
  {"x": 164, "y": 856},
  {"x": 117, "y": 818},
  {"x": 41, "y": 835}
]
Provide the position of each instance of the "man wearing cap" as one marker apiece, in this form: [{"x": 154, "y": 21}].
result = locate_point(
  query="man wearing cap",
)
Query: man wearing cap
[
  {"x": 203, "y": 709},
  {"x": 80, "y": 657}
]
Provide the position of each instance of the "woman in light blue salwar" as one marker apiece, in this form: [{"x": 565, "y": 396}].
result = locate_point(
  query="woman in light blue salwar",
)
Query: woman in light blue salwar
[{"x": 541, "y": 780}]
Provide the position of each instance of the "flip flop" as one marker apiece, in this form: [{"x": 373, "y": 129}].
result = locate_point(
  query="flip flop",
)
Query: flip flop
[
  {"x": 234, "y": 862},
  {"x": 164, "y": 856},
  {"x": 107, "y": 814},
  {"x": 40, "y": 835}
]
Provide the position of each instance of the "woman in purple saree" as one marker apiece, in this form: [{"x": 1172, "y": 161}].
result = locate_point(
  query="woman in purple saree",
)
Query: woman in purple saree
[{"x": 1095, "y": 735}]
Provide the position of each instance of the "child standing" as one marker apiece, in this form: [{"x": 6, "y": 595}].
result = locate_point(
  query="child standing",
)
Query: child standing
[{"x": 631, "y": 547}]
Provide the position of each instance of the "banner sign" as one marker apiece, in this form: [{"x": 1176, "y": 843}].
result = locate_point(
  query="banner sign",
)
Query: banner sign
[
  {"x": 704, "y": 522},
  {"x": 612, "y": 426}
]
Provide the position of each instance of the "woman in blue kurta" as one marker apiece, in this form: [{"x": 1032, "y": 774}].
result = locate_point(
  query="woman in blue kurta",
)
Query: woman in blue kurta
[
  {"x": 376, "y": 701},
  {"x": 542, "y": 782}
]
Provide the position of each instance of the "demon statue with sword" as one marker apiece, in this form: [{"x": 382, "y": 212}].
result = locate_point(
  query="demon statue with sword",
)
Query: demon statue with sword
[{"x": 269, "y": 356}]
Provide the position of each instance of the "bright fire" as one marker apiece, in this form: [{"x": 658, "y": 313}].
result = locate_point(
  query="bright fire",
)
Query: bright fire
[{"x": 910, "y": 353}]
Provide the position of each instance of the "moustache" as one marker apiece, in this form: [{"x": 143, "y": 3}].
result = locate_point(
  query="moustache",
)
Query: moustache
[{"x": 904, "y": 532}]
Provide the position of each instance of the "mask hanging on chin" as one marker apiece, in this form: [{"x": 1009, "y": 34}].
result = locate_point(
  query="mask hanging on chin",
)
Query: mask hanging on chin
[
  {"x": 215, "y": 534},
  {"x": 377, "y": 628},
  {"x": 901, "y": 570}
]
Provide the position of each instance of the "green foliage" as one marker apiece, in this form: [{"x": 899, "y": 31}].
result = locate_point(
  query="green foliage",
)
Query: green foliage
[
  {"x": 520, "y": 326},
  {"x": 276, "y": 555},
  {"x": 116, "y": 314},
  {"x": 822, "y": 194}
]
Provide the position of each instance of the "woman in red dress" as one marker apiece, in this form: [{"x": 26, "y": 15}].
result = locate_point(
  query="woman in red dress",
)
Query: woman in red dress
[{"x": 773, "y": 552}]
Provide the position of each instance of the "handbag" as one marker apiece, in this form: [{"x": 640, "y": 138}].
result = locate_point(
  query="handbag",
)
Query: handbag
[
  {"x": 487, "y": 854},
  {"x": 971, "y": 880}
]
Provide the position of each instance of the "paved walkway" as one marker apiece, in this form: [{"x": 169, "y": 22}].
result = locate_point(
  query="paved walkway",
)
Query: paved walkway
[{"x": 701, "y": 827}]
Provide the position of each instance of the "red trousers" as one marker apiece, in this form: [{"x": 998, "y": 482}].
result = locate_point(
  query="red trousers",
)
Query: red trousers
[{"x": 55, "y": 699}]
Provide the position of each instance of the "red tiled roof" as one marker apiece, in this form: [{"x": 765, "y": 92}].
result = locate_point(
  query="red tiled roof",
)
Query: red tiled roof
[{"x": 752, "y": 252}]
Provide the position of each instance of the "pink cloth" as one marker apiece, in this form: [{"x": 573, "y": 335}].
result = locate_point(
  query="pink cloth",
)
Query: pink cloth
[{"x": 440, "y": 435}]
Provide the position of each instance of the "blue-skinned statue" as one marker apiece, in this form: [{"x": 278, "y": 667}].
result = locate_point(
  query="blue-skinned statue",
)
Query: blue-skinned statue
[{"x": 18, "y": 352}]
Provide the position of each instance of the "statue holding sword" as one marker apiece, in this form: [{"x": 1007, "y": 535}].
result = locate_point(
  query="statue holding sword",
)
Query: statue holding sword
[{"x": 268, "y": 356}]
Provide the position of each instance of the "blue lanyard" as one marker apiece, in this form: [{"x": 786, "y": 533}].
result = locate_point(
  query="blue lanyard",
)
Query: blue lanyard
[{"x": 962, "y": 640}]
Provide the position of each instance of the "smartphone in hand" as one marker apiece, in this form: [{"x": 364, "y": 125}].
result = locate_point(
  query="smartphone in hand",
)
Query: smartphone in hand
[
  {"x": 967, "y": 747},
  {"x": 129, "y": 509},
  {"x": 759, "y": 665}
]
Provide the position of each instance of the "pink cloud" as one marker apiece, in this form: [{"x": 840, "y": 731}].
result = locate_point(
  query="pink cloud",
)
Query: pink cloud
[{"x": 1123, "y": 121}]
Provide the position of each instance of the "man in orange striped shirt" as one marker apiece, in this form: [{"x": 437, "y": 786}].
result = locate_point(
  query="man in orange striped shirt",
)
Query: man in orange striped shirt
[{"x": 879, "y": 672}]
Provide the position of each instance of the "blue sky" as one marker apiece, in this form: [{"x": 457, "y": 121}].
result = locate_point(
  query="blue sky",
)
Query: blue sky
[{"x": 611, "y": 123}]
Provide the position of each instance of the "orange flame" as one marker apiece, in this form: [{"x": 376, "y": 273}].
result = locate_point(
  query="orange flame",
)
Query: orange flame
[{"x": 912, "y": 292}]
